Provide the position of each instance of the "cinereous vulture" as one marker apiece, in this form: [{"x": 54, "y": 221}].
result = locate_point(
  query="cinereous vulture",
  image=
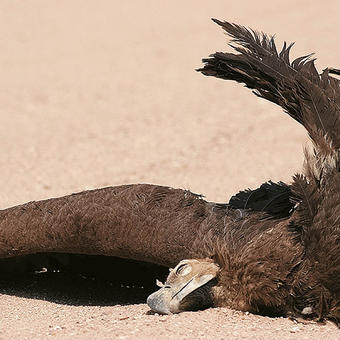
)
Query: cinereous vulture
[{"x": 274, "y": 250}]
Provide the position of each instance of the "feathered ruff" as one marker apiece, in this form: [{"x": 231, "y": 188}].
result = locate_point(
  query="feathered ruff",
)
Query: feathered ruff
[
  {"x": 257, "y": 262},
  {"x": 310, "y": 98}
]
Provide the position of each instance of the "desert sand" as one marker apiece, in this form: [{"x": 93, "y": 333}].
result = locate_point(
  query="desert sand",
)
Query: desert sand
[{"x": 98, "y": 93}]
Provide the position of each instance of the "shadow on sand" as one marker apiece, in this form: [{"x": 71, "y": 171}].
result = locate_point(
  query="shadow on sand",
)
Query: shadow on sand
[{"x": 79, "y": 279}]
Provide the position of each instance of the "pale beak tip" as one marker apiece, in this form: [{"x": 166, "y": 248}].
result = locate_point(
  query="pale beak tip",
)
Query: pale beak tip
[{"x": 157, "y": 303}]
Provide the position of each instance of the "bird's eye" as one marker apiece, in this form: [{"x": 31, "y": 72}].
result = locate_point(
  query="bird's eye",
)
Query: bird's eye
[{"x": 183, "y": 269}]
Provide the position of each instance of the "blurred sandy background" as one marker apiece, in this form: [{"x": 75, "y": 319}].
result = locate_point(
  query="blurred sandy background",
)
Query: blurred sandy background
[{"x": 98, "y": 93}]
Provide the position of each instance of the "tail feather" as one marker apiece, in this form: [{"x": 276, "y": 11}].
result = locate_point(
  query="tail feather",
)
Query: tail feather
[{"x": 310, "y": 98}]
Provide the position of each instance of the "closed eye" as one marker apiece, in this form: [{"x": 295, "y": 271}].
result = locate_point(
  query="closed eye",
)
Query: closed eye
[
  {"x": 183, "y": 269},
  {"x": 179, "y": 269}
]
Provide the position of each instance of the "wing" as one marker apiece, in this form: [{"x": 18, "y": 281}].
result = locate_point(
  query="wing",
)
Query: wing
[
  {"x": 142, "y": 222},
  {"x": 310, "y": 98}
]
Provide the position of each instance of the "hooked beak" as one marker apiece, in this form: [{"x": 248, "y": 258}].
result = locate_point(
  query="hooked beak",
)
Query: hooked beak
[{"x": 187, "y": 277}]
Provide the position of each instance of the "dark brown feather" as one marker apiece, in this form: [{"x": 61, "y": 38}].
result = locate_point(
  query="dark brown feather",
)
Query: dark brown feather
[
  {"x": 271, "y": 198},
  {"x": 334, "y": 71}
]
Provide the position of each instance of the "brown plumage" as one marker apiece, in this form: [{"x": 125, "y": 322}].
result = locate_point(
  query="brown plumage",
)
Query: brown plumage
[
  {"x": 274, "y": 250},
  {"x": 313, "y": 100}
]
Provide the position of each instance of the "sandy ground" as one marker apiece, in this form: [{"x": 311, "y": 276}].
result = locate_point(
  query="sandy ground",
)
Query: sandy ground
[{"x": 105, "y": 93}]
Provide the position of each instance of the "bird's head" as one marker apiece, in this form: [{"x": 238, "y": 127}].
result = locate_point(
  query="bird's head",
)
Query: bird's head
[{"x": 187, "y": 288}]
